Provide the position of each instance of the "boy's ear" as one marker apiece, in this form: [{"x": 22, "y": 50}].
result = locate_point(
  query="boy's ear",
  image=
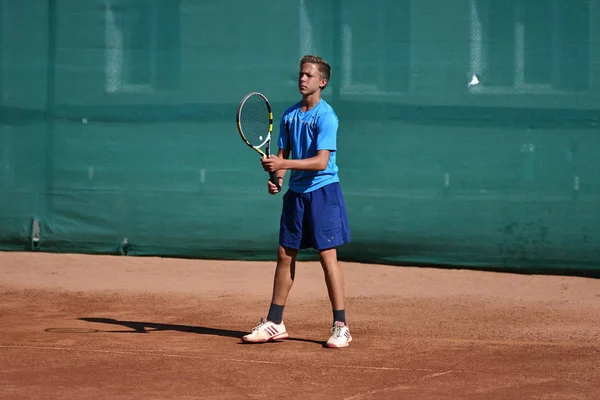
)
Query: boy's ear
[{"x": 323, "y": 83}]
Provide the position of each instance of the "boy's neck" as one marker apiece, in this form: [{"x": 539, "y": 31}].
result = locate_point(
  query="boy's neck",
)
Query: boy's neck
[{"x": 308, "y": 102}]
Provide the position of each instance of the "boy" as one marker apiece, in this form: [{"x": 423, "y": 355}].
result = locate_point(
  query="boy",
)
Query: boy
[{"x": 314, "y": 214}]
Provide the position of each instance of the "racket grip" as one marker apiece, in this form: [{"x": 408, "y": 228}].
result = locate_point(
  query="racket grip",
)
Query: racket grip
[{"x": 274, "y": 180}]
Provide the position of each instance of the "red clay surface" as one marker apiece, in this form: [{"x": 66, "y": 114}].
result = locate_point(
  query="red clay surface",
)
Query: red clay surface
[{"x": 103, "y": 327}]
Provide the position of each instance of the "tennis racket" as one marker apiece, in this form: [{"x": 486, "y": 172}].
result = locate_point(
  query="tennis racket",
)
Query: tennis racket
[{"x": 255, "y": 124}]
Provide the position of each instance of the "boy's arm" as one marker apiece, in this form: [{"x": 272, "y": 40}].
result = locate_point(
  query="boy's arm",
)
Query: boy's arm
[
  {"x": 316, "y": 163},
  {"x": 281, "y": 162},
  {"x": 284, "y": 155}
]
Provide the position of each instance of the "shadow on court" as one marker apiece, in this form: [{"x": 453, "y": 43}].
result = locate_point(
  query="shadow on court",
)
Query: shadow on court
[{"x": 147, "y": 327}]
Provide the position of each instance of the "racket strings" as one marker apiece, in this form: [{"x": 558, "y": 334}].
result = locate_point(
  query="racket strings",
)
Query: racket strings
[{"x": 255, "y": 120}]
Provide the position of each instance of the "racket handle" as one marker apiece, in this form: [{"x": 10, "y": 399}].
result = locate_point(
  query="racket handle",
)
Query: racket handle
[{"x": 274, "y": 180}]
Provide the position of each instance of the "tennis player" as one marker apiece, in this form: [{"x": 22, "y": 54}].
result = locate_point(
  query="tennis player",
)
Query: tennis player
[{"x": 314, "y": 213}]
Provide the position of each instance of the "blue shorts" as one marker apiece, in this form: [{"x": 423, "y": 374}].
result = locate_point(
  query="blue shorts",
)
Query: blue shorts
[{"x": 315, "y": 219}]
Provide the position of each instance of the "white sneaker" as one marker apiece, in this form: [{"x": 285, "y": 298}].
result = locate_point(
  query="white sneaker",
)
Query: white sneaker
[
  {"x": 266, "y": 331},
  {"x": 340, "y": 336}
]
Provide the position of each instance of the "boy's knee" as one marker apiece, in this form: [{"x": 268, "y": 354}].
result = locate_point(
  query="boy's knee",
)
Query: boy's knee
[
  {"x": 328, "y": 258},
  {"x": 286, "y": 253}
]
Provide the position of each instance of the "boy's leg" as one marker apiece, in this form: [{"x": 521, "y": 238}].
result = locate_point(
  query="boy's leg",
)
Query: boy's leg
[
  {"x": 330, "y": 229},
  {"x": 329, "y": 223},
  {"x": 334, "y": 278},
  {"x": 282, "y": 282},
  {"x": 290, "y": 235},
  {"x": 284, "y": 274}
]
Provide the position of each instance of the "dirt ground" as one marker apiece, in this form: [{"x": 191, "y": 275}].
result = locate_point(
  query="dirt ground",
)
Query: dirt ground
[{"x": 105, "y": 327}]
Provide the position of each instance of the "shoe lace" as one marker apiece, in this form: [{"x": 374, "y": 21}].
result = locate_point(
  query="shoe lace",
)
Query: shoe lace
[
  {"x": 336, "y": 331},
  {"x": 259, "y": 325}
]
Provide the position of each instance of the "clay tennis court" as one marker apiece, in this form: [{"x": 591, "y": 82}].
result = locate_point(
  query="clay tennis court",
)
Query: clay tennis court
[{"x": 105, "y": 327}]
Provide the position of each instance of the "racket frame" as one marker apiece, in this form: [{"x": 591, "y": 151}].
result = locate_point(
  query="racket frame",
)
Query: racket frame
[{"x": 267, "y": 142}]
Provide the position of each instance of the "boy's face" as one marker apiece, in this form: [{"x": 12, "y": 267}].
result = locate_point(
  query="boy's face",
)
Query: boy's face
[{"x": 309, "y": 79}]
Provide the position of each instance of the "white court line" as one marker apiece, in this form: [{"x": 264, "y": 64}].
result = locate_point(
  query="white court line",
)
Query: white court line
[
  {"x": 148, "y": 353},
  {"x": 401, "y": 386},
  {"x": 134, "y": 352},
  {"x": 387, "y": 368}
]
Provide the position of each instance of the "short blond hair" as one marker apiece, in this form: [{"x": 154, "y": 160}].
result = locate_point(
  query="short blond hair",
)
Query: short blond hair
[{"x": 322, "y": 65}]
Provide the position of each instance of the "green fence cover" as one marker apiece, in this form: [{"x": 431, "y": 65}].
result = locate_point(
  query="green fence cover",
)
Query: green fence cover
[{"x": 469, "y": 129}]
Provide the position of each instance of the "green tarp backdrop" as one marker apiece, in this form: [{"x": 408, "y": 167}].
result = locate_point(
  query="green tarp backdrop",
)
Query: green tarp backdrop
[{"x": 469, "y": 129}]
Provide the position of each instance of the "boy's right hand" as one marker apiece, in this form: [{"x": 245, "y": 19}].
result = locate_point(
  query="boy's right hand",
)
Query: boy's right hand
[{"x": 272, "y": 187}]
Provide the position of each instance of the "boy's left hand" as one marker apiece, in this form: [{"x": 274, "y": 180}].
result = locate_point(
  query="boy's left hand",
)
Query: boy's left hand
[{"x": 272, "y": 164}]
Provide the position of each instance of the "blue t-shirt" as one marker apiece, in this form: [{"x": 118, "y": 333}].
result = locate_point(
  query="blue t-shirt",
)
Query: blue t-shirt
[{"x": 304, "y": 133}]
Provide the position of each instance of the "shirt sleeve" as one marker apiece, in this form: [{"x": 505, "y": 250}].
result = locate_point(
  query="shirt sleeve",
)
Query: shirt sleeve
[
  {"x": 283, "y": 142},
  {"x": 327, "y": 126}
]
